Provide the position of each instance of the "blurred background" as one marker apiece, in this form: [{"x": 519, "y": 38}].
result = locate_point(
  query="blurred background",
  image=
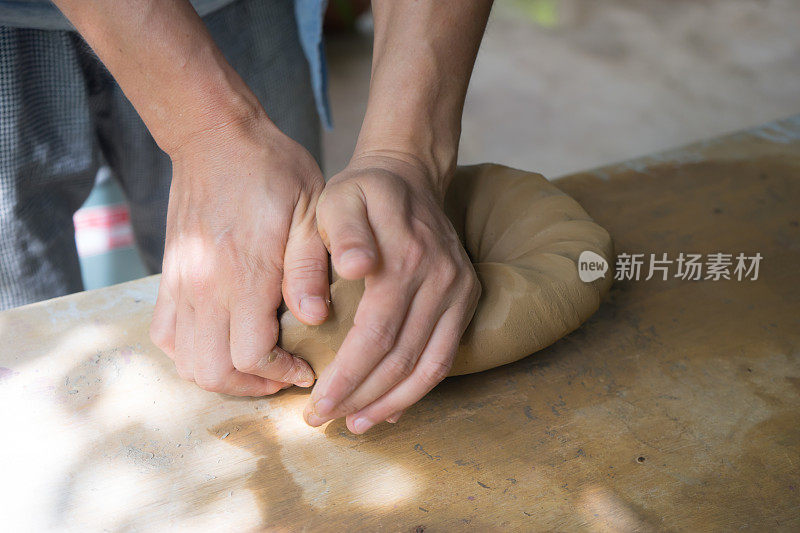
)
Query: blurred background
[{"x": 559, "y": 86}]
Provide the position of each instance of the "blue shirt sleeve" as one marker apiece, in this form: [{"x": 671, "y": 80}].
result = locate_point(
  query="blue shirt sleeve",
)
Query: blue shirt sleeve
[{"x": 309, "y": 14}]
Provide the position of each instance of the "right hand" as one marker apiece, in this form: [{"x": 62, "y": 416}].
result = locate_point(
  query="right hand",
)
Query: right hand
[{"x": 241, "y": 233}]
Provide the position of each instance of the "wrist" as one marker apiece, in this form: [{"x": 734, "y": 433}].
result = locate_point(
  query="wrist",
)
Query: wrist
[
  {"x": 430, "y": 158},
  {"x": 233, "y": 130},
  {"x": 168, "y": 65},
  {"x": 414, "y": 118},
  {"x": 217, "y": 107},
  {"x": 403, "y": 164},
  {"x": 215, "y": 147}
]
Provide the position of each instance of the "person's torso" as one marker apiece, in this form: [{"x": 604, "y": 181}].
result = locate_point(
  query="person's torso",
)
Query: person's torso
[{"x": 44, "y": 15}]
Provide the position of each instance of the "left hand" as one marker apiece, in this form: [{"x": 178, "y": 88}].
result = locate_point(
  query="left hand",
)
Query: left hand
[{"x": 382, "y": 219}]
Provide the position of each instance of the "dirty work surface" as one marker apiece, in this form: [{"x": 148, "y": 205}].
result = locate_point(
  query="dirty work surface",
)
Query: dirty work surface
[{"x": 674, "y": 407}]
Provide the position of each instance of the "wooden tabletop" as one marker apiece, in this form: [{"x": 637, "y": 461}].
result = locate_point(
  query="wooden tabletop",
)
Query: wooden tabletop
[{"x": 677, "y": 406}]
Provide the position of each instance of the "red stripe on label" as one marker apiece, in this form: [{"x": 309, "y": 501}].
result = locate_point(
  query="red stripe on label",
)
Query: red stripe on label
[{"x": 104, "y": 216}]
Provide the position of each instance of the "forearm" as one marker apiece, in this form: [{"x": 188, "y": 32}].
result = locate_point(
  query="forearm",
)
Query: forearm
[
  {"x": 423, "y": 56},
  {"x": 166, "y": 63}
]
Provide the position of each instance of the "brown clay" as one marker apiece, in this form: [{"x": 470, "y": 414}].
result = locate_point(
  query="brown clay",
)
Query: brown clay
[{"x": 524, "y": 237}]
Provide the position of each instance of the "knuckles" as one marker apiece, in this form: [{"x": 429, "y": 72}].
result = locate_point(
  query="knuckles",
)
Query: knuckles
[
  {"x": 210, "y": 382},
  {"x": 246, "y": 362},
  {"x": 199, "y": 279},
  {"x": 162, "y": 338},
  {"x": 471, "y": 286},
  {"x": 433, "y": 372},
  {"x": 330, "y": 201},
  {"x": 457, "y": 276},
  {"x": 399, "y": 366},
  {"x": 414, "y": 253},
  {"x": 378, "y": 335},
  {"x": 247, "y": 357},
  {"x": 448, "y": 272},
  {"x": 307, "y": 268},
  {"x": 183, "y": 372},
  {"x": 475, "y": 288}
]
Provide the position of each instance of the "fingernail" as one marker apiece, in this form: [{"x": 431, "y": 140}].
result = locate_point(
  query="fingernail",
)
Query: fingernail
[
  {"x": 305, "y": 380},
  {"x": 360, "y": 425},
  {"x": 305, "y": 383},
  {"x": 314, "y": 307},
  {"x": 314, "y": 420},
  {"x": 323, "y": 407},
  {"x": 306, "y": 377},
  {"x": 311, "y": 417}
]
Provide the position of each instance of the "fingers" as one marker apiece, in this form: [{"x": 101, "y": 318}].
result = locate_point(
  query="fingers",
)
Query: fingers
[
  {"x": 241, "y": 212},
  {"x": 305, "y": 276},
  {"x": 213, "y": 370},
  {"x": 376, "y": 324},
  {"x": 232, "y": 351},
  {"x": 344, "y": 226},
  {"x": 253, "y": 334},
  {"x": 433, "y": 366},
  {"x": 162, "y": 325},
  {"x": 228, "y": 353},
  {"x": 423, "y": 279},
  {"x": 392, "y": 419},
  {"x": 400, "y": 361},
  {"x": 184, "y": 341}
]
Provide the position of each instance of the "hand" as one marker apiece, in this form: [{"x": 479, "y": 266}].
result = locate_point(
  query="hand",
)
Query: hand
[
  {"x": 240, "y": 222},
  {"x": 382, "y": 220}
]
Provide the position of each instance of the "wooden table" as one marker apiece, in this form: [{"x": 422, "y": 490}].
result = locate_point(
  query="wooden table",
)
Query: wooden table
[{"x": 677, "y": 406}]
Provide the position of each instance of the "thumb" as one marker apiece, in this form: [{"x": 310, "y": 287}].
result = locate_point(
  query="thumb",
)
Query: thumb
[
  {"x": 344, "y": 226},
  {"x": 305, "y": 275}
]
